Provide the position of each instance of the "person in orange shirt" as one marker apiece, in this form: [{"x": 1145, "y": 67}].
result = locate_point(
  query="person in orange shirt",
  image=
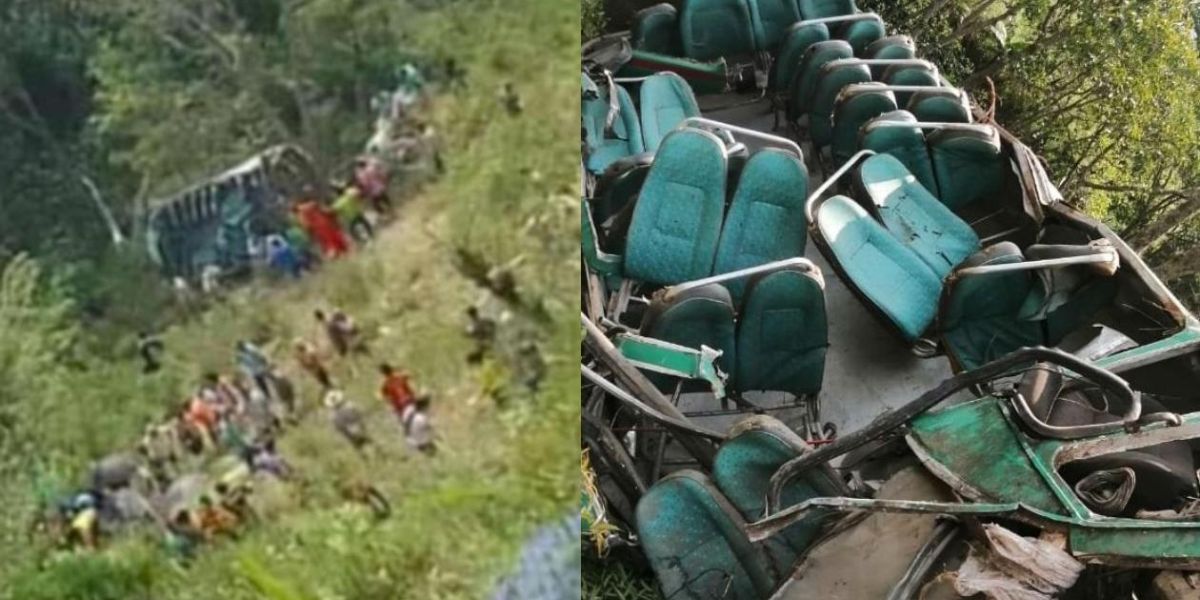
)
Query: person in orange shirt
[
  {"x": 395, "y": 388},
  {"x": 203, "y": 418}
]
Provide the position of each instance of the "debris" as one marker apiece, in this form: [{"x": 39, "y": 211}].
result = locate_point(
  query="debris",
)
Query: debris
[{"x": 1017, "y": 568}]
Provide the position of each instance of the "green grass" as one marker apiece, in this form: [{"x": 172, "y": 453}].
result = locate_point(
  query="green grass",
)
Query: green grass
[{"x": 460, "y": 517}]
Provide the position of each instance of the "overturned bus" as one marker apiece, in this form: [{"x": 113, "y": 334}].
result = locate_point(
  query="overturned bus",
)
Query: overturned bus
[
  {"x": 844, "y": 339},
  {"x": 216, "y": 223}
]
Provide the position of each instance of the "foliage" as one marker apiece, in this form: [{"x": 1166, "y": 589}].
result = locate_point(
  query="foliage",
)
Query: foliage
[{"x": 593, "y": 22}]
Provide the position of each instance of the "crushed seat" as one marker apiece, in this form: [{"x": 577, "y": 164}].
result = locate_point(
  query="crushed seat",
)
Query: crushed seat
[
  {"x": 905, "y": 144},
  {"x": 666, "y": 100},
  {"x": 980, "y": 315},
  {"x": 656, "y": 29},
  {"x": 765, "y": 221},
  {"x": 770, "y": 20},
  {"x": 712, "y": 29},
  {"x": 695, "y": 317},
  {"x": 607, "y": 142},
  {"x": 854, "y": 107},
  {"x": 782, "y": 334},
  {"x": 804, "y": 81},
  {"x": 676, "y": 222}
]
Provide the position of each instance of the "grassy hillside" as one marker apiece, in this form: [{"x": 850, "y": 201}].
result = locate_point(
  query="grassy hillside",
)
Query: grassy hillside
[{"x": 509, "y": 194}]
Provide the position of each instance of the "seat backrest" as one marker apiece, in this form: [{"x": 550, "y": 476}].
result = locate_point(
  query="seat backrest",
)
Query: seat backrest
[
  {"x": 804, "y": 81},
  {"x": 819, "y": 9},
  {"x": 850, "y": 113},
  {"x": 613, "y": 201},
  {"x": 677, "y": 220},
  {"x": 861, "y": 34},
  {"x": 969, "y": 166},
  {"x": 939, "y": 107},
  {"x": 770, "y": 20},
  {"x": 712, "y": 29},
  {"x": 829, "y": 86},
  {"x": 625, "y": 137},
  {"x": 656, "y": 29},
  {"x": 978, "y": 316},
  {"x": 765, "y": 221},
  {"x": 891, "y": 278},
  {"x": 782, "y": 334},
  {"x": 700, "y": 316},
  {"x": 890, "y": 48},
  {"x": 796, "y": 41},
  {"x": 907, "y": 145},
  {"x": 666, "y": 100},
  {"x": 906, "y": 75},
  {"x": 913, "y": 215}
]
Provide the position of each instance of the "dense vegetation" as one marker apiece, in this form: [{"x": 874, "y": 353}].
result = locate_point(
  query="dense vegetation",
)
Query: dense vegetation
[{"x": 139, "y": 97}]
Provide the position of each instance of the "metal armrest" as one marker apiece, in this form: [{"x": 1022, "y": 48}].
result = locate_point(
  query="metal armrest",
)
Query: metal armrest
[
  {"x": 729, "y": 130},
  {"x": 883, "y": 62},
  {"x": 868, "y": 16},
  {"x": 810, "y": 205},
  {"x": 1104, "y": 256},
  {"x": 930, "y": 126},
  {"x": 810, "y": 269}
]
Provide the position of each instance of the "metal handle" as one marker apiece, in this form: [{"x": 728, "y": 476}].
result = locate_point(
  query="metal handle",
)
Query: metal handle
[
  {"x": 811, "y": 270},
  {"x": 703, "y": 123},
  {"x": 810, "y": 205},
  {"x": 870, "y": 16},
  {"x": 883, "y": 62},
  {"x": 1104, "y": 256},
  {"x": 931, "y": 126},
  {"x": 644, "y": 408}
]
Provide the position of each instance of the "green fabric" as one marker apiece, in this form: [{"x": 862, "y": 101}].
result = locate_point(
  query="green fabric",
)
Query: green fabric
[
  {"x": 892, "y": 47},
  {"x": 938, "y": 109},
  {"x": 850, "y": 115},
  {"x": 656, "y": 29},
  {"x": 742, "y": 470},
  {"x": 626, "y": 136},
  {"x": 861, "y": 34},
  {"x": 782, "y": 335},
  {"x": 348, "y": 207},
  {"x": 702, "y": 317},
  {"x": 703, "y": 77},
  {"x": 979, "y": 321},
  {"x": 798, "y": 38},
  {"x": 914, "y": 216},
  {"x": 820, "y": 115},
  {"x": 694, "y": 541},
  {"x": 897, "y": 75},
  {"x": 819, "y": 9},
  {"x": 907, "y": 145},
  {"x": 969, "y": 167},
  {"x": 771, "y": 20},
  {"x": 677, "y": 220},
  {"x": 806, "y": 76},
  {"x": 666, "y": 100},
  {"x": 765, "y": 222},
  {"x": 890, "y": 276},
  {"x": 711, "y": 29}
]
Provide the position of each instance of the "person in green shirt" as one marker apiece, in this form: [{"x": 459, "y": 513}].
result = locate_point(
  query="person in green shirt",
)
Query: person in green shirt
[{"x": 351, "y": 214}]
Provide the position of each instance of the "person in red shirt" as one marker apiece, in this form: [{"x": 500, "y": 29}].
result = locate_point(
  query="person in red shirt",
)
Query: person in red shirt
[
  {"x": 395, "y": 388},
  {"x": 321, "y": 225}
]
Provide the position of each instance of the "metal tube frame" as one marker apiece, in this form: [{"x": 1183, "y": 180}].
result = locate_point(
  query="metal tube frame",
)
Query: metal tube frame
[
  {"x": 884, "y": 62},
  {"x": 932, "y": 126},
  {"x": 810, "y": 203},
  {"x": 629, "y": 399},
  {"x": 1101, "y": 257},
  {"x": 867, "y": 16},
  {"x": 710, "y": 124},
  {"x": 811, "y": 270}
]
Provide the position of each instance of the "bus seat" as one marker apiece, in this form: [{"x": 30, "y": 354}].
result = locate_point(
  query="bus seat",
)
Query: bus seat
[
  {"x": 782, "y": 334},
  {"x": 765, "y": 221},
  {"x": 804, "y": 82},
  {"x": 666, "y": 100},
  {"x": 819, "y": 9},
  {"x": 889, "y": 276},
  {"x": 676, "y": 223},
  {"x": 979, "y": 320},
  {"x": 796, "y": 41},
  {"x": 861, "y": 34},
  {"x": 907, "y": 75},
  {"x": 712, "y": 29},
  {"x": 623, "y": 140},
  {"x": 939, "y": 107},
  {"x": 969, "y": 166},
  {"x": 656, "y": 29},
  {"x": 850, "y": 113},
  {"x": 829, "y": 85},
  {"x": 771, "y": 20},
  {"x": 906, "y": 145},
  {"x": 891, "y": 47},
  {"x": 913, "y": 215},
  {"x": 694, "y": 540},
  {"x": 700, "y": 316}
]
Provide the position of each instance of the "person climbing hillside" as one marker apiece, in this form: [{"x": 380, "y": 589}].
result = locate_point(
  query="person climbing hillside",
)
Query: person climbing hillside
[
  {"x": 321, "y": 225},
  {"x": 310, "y": 359},
  {"x": 150, "y": 348},
  {"x": 418, "y": 430},
  {"x": 342, "y": 332},
  {"x": 395, "y": 388},
  {"x": 215, "y": 520},
  {"x": 371, "y": 178},
  {"x": 352, "y": 215},
  {"x": 347, "y": 419},
  {"x": 282, "y": 257},
  {"x": 481, "y": 330},
  {"x": 255, "y": 364}
]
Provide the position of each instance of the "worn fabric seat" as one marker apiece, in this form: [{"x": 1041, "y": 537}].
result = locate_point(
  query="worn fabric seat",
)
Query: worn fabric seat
[
  {"x": 796, "y": 41},
  {"x": 852, "y": 111},
  {"x": 820, "y": 9},
  {"x": 782, "y": 334},
  {"x": 908, "y": 75},
  {"x": 701, "y": 316},
  {"x": 693, "y": 538},
  {"x": 831, "y": 80},
  {"x": 890, "y": 277},
  {"x": 892, "y": 47},
  {"x": 861, "y": 34},
  {"x": 676, "y": 223},
  {"x": 969, "y": 165},
  {"x": 770, "y": 20},
  {"x": 712, "y": 29},
  {"x": 656, "y": 29},
  {"x": 765, "y": 221},
  {"x": 913, "y": 215},
  {"x": 905, "y": 144},
  {"x": 804, "y": 82},
  {"x": 666, "y": 100},
  {"x": 756, "y": 448},
  {"x": 979, "y": 319},
  {"x": 939, "y": 107},
  {"x": 606, "y": 145}
]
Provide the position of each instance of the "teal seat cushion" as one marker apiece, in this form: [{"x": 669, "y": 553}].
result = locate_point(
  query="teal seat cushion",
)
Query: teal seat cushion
[
  {"x": 701, "y": 316},
  {"x": 829, "y": 85},
  {"x": 666, "y": 100},
  {"x": 906, "y": 75},
  {"x": 693, "y": 538},
  {"x": 625, "y": 137},
  {"x": 756, "y": 448},
  {"x": 770, "y": 20},
  {"x": 712, "y": 29},
  {"x": 969, "y": 166},
  {"x": 656, "y": 29},
  {"x": 979, "y": 321},
  {"x": 796, "y": 41},
  {"x": 906, "y": 144},
  {"x": 938, "y": 108},
  {"x": 890, "y": 277},
  {"x": 765, "y": 222},
  {"x": 861, "y": 34},
  {"x": 892, "y": 47},
  {"x": 782, "y": 334},
  {"x": 913, "y": 215},
  {"x": 676, "y": 223},
  {"x": 819, "y": 9},
  {"x": 804, "y": 81},
  {"x": 850, "y": 114}
]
